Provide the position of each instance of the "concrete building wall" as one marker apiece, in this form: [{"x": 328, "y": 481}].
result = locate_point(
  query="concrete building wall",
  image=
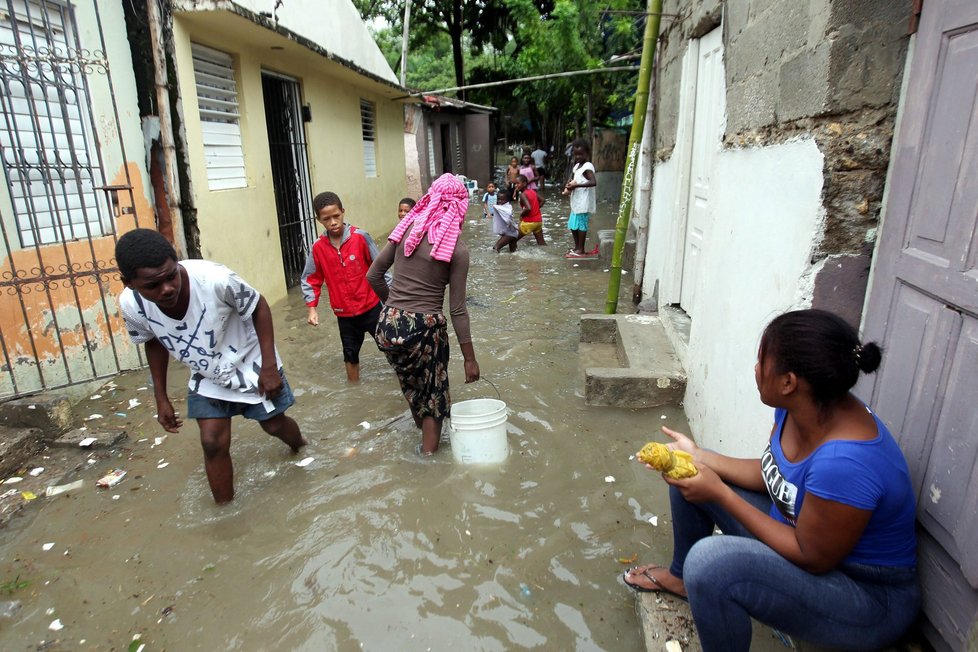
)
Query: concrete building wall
[
  {"x": 239, "y": 227},
  {"x": 334, "y": 24},
  {"x": 797, "y": 183}
]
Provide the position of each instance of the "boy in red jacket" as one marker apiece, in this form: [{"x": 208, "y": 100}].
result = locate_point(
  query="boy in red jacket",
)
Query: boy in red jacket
[{"x": 340, "y": 258}]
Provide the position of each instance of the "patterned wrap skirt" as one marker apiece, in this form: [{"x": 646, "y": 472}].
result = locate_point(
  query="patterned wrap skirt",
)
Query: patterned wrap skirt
[{"x": 416, "y": 346}]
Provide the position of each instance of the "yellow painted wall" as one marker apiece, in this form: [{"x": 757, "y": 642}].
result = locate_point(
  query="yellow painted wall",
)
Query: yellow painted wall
[{"x": 239, "y": 227}]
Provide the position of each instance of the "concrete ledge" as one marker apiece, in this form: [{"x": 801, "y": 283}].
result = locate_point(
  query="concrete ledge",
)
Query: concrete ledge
[
  {"x": 17, "y": 446},
  {"x": 52, "y": 414},
  {"x": 606, "y": 246},
  {"x": 599, "y": 329},
  {"x": 647, "y": 372},
  {"x": 103, "y": 438},
  {"x": 665, "y": 619}
]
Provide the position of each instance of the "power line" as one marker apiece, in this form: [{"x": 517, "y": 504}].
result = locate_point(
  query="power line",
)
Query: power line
[{"x": 572, "y": 73}]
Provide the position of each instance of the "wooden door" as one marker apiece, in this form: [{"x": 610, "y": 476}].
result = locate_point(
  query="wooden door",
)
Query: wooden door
[
  {"x": 923, "y": 308},
  {"x": 706, "y": 133}
]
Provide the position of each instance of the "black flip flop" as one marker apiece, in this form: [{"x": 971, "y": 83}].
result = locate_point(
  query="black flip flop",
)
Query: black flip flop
[{"x": 651, "y": 578}]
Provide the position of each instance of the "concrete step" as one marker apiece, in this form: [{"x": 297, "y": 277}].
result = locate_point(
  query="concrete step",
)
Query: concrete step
[
  {"x": 606, "y": 245},
  {"x": 647, "y": 372}
]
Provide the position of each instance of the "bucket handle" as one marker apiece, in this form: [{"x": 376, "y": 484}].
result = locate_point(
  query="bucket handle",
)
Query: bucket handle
[{"x": 493, "y": 385}]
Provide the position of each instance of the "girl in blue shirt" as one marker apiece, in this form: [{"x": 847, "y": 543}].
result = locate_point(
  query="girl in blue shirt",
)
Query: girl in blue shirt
[{"x": 819, "y": 532}]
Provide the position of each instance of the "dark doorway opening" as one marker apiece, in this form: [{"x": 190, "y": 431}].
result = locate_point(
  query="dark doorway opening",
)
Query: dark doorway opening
[
  {"x": 446, "y": 148},
  {"x": 290, "y": 172}
]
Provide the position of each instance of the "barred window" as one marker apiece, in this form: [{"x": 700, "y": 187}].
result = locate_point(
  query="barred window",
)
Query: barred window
[
  {"x": 217, "y": 101},
  {"x": 47, "y": 141}
]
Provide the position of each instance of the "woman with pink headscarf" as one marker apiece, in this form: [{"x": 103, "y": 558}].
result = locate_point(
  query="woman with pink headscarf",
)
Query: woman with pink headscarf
[{"x": 412, "y": 331}]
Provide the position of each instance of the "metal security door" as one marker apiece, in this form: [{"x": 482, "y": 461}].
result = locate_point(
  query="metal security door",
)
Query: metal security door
[
  {"x": 923, "y": 308},
  {"x": 290, "y": 172}
]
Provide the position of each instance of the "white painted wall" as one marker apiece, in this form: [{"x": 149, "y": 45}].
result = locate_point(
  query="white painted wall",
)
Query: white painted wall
[
  {"x": 767, "y": 218},
  {"x": 334, "y": 25}
]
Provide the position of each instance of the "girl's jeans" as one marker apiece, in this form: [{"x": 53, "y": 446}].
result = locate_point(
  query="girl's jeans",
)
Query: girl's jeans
[{"x": 734, "y": 577}]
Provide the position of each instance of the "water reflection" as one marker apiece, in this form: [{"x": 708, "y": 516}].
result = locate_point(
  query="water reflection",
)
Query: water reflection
[{"x": 371, "y": 547}]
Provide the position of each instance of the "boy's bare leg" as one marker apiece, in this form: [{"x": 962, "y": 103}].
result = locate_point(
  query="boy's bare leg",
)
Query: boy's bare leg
[
  {"x": 430, "y": 435},
  {"x": 353, "y": 372},
  {"x": 512, "y": 245},
  {"x": 539, "y": 236},
  {"x": 285, "y": 428},
  {"x": 215, "y": 439}
]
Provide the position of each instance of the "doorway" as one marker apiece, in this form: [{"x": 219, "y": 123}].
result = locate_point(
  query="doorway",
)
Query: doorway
[{"x": 290, "y": 172}]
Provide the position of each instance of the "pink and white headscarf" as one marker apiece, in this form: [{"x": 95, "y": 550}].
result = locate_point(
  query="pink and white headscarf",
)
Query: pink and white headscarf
[{"x": 439, "y": 214}]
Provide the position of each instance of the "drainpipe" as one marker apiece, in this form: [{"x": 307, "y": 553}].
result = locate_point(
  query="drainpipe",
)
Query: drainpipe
[
  {"x": 404, "y": 42},
  {"x": 161, "y": 84}
]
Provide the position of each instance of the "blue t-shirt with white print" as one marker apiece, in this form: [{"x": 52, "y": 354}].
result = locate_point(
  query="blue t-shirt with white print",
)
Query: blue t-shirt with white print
[{"x": 870, "y": 475}]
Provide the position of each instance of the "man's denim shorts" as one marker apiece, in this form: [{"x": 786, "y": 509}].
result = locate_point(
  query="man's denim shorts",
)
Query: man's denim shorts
[{"x": 202, "y": 407}]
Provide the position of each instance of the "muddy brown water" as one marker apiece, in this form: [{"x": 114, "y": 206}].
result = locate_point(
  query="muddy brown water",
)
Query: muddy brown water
[{"x": 369, "y": 546}]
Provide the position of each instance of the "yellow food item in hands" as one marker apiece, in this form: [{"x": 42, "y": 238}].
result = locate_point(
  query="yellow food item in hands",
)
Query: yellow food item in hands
[{"x": 675, "y": 464}]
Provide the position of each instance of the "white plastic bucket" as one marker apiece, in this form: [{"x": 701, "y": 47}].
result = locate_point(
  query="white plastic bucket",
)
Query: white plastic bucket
[{"x": 478, "y": 431}]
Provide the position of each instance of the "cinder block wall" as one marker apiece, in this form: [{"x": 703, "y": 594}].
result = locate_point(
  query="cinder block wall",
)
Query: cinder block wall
[{"x": 828, "y": 69}]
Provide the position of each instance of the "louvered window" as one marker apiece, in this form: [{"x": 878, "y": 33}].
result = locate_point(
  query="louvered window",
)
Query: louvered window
[
  {"x": 49, "y": 157},
  {"x": 217, "y": 99},
  {"x": 368, "y": 127}
]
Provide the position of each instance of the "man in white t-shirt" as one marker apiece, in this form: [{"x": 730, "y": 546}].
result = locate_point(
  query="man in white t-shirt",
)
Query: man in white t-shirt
[
  {"x": 205, "y": 316},
  {"x": 540, "y": 162}
]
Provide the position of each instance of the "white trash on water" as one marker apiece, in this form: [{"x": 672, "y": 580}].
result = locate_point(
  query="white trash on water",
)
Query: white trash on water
[
  {"x": 305, "y": 462},
  {"x": 609, "y": 479},
  {"x": 47, "y": 546}
]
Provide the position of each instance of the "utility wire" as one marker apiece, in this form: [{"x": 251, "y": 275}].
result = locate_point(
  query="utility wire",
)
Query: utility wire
[{"x": 571, "y": 73}]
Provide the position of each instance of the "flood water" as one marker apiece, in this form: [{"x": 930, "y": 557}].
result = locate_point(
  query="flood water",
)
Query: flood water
[{"x": 370, "y": 546}]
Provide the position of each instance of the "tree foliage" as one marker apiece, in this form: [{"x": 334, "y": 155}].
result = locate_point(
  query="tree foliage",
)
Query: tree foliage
[{"x": 458, "y": 42}]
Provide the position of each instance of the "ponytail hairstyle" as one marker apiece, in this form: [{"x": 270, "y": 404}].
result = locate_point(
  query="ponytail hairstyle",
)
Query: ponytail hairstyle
[{"x": 822, "y": 348}]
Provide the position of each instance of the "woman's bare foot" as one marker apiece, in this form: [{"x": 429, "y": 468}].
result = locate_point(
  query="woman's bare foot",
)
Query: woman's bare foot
[{"x": 653, "y": 578}]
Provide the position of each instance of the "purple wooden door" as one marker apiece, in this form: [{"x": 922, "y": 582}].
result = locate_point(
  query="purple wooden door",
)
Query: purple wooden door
[{"x": 923, "y": 308}]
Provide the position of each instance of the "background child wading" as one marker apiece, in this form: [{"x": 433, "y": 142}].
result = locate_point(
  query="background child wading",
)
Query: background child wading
[
  {"x": 340, "y": 259},
  {"x": 581, "y": 188}
]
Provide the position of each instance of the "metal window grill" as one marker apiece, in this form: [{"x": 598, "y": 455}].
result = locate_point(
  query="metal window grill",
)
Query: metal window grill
[
  {"x": 368, "y": 116},
  {"x": 44, "y": 129},
  {"x": 59, "y": 323}
]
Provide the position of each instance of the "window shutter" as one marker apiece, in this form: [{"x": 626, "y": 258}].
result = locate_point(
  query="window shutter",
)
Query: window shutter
[
  {"x": 368, "y": 128},
  {"x": 217, "y": 100}
]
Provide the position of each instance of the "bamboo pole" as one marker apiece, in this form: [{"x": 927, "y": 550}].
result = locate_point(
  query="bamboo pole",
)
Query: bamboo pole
[{"x": 634, "y": 142}]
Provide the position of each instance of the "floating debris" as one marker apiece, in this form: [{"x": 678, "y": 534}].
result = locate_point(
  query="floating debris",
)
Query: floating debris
[
  {"x": 133, "y": 402},
  {"x": 8, "y": 493},
  {"x": 93, "y": 416},
  {"x": 95, "y": 397},
  {"x": 28, "y": 495},
  {"x": 56, "y": 625},
  {"x": 365, "y": 425},
  {"x": 162, "y": 465},
  {"x": 36, "y": 471},
  {"x": 14, "y": 479},
  {"x": 111, "y": 479},
  {"x": 609, "y": 479},
  {"x": 654, "y": 521},
  {"x": 87, "y": 442},
  {"x": 158, "y": 441},
  {"x": 47, "y": 546},
  {"x": 628, "y": 560},
  {"x": 674, "y": 646},
  {"x": 305, "y": 462}
]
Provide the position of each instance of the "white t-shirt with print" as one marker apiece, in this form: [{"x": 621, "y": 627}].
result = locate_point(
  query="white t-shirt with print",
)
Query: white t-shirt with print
[
  {"x": 583, "y": 200},
  {"x": 216, "y": 338}
]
